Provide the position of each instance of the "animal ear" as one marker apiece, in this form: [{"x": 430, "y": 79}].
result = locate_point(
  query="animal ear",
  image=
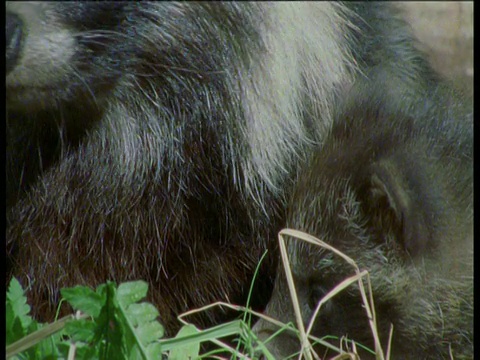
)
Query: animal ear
[{"x": 398, "y": 203}]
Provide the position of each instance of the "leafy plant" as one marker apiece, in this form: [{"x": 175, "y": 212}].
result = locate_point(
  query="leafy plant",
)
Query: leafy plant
[{"x": 112, "y": 325}]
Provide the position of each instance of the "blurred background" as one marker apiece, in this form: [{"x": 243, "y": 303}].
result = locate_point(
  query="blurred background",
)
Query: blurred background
[{"x": 445, "y": 31}]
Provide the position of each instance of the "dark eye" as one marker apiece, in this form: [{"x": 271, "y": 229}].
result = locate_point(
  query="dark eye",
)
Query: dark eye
[{"x": 317, "y": 292}]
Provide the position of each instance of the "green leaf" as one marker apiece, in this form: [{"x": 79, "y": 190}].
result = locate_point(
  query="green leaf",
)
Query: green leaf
[
  {"x": 141, "y": 313},
  {"x": 119, "y": 327},
  {"x": 188, "y": 351},
  {"x": 154, "y": 351},
  {"x": 18, "y": 304},
  {"x": 110, "y": 329},
  {"x": 141, "y": 329},
  {"x": 131, "y": 292},
  {"x": 81, "y": 330},
  {"x": 14, "y": 329},
  {"x": 149, "y": 332},
  {"x": 84, "y": 299}
]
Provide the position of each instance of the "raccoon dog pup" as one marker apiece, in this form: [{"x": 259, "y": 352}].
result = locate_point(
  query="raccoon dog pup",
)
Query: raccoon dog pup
[
  {"x": 392, "y": 188},
  {"x": 157, "y": 140}
]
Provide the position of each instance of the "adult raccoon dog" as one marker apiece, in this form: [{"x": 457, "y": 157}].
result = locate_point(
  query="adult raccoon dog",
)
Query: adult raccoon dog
[
  {"x": 392, "y": 188},
  {"x": 157, "y": 140}
]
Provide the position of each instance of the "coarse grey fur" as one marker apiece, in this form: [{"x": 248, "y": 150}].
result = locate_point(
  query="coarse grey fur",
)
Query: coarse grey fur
[
  {"x": 158, "y": 140},
  {"x": 392, "y": 188}
]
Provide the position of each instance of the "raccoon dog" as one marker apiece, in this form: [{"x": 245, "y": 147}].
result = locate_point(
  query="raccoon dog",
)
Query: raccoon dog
[
  {"x": 158, "y": 140},
  {"x": 392, "y": 188}
]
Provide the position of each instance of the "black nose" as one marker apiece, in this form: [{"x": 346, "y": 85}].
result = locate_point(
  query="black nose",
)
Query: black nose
[{"x": 13, "y": 41}]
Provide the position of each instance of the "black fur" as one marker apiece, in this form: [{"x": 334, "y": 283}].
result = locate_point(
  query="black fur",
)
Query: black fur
[{"x": 159, "y": 141}]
